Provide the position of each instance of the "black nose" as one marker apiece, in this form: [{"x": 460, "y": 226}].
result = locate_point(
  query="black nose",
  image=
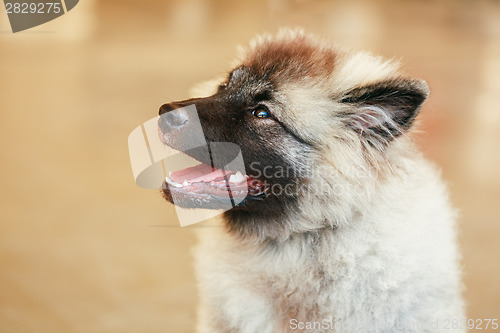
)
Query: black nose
[{"x": 172, "y": 117}]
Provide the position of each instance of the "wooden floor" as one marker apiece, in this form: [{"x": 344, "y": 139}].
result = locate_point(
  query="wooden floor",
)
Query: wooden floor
[{"x": 82, "y": 249}]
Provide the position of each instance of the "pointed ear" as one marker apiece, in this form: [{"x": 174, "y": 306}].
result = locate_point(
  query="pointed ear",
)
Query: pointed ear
[{"x": 386, "y": 109}]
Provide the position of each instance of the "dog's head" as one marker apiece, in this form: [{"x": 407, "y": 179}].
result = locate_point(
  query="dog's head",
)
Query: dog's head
[{"x": 317, "y": 127}]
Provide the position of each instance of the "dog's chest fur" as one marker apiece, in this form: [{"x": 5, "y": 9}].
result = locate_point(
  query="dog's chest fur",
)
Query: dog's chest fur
[{"x": 388, "y": 267}]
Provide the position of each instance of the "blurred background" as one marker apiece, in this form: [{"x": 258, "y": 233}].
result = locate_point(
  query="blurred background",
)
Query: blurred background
[{"x": 83, "y": 249}]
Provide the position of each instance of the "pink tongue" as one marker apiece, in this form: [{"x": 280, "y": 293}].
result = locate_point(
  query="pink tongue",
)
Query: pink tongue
[{"x": 199, "y": 173}]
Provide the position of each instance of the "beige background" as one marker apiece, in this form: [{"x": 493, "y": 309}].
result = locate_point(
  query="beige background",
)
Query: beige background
[{"x": 82, "y": 249}]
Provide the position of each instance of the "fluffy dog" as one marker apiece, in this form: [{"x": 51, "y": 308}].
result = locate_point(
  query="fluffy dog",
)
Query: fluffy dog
[{"x": 345, "y": 227}]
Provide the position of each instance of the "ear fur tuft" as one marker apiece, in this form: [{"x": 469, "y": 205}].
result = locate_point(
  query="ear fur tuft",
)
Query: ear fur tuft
[{"x": 385, "y": 109}]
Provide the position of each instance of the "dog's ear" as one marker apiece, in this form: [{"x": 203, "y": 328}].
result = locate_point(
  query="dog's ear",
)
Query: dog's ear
[{"x": 386, "y": 109}]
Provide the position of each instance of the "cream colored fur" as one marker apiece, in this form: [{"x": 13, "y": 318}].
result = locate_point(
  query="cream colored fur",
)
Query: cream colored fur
[{"x": 377, "y": 255}]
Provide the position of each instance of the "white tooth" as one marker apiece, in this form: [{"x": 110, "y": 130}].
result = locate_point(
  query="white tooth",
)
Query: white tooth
[
  {"x": 185, "y": 183},
  {"x": 237, "y": 178}
]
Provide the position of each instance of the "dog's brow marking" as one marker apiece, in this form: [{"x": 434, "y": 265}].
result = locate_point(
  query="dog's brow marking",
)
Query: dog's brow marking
[
  {"x": 293, "y": 134},
  {"x": 261, "y": 96}
]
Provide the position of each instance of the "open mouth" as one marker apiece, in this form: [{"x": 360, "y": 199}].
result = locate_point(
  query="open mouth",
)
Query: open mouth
[{"x": 203, "y": 186}]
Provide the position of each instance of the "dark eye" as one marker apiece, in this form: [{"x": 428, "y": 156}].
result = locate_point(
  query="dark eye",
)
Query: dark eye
[{"x": 261, "y": 112}]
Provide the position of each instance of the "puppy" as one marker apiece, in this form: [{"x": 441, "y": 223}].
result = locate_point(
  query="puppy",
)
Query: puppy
[{"x": 343, "y": 225}]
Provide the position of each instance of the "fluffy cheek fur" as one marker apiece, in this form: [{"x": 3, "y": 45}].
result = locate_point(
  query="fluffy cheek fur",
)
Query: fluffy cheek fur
[
  {"x": 347, "y": 172},
  {"x": 336, "y": 181},
  {"x": 333, "y": 182}
]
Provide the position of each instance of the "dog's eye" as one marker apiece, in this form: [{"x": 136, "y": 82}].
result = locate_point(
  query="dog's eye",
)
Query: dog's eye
[{"x": 261, "y": 112}]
